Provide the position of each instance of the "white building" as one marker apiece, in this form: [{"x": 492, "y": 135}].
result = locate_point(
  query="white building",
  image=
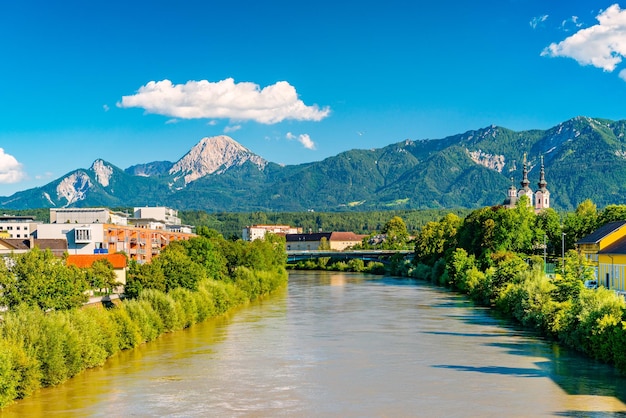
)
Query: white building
[
  {"x": 17, "y": 226},
  {"x": 81, "y": 238},
  {"x": 250, "y": 233},
  {"x": 160, "y": 213},
  {"x": 87, "y": 216}
]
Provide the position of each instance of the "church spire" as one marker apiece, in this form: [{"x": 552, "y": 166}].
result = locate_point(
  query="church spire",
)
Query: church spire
[
  {"x": 525, "y": 182},
  {"x": 542, "y": 177}
]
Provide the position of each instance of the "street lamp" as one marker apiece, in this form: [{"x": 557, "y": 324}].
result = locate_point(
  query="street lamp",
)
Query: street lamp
[
  {"x": 563, "y": 251},
  {"x": 544, "y": 254}
]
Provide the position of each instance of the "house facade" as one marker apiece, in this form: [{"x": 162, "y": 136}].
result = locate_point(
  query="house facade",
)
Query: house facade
[
  {"x": 118, "y": 261},
  {"x": 606, "y": 249},
  {"x": 250, "y": 233},
  {"x": 17, "y": 227},
  {"x": 58, "y": 247},
  {"x": 337, "y": 241}
]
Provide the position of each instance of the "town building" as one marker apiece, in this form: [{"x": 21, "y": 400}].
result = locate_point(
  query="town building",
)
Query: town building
[
  {"x": 102, "y": 231},
  {"x": 58, "y": 247},
  {"x": 250, "y": 233},
  {"x": 118, "y": 261},
  {"x": 540, "y": 199},
  {"x": 337, "y": 241},
  {"x": 87, "y": 216},
  {"x": 167, "y": 215},
  {"x": 17, "y": 227},
  {"x": 606, "y": 249}
]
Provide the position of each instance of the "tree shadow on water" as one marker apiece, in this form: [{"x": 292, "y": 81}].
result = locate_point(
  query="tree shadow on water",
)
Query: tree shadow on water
[{"x": 509, "y": 371}]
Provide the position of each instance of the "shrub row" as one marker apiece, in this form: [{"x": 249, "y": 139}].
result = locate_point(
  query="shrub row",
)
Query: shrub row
[
  {"x": 335, "y": 264},
  {"x": 40, "y": 349}
]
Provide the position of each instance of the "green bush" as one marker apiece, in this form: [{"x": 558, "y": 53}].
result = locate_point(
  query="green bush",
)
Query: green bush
[
  {"x": 186, "y": 306},
  {"x": 128, "y": 331},
  {"x": 92, "y": 342},
  {"x": 164, "y": 306}
]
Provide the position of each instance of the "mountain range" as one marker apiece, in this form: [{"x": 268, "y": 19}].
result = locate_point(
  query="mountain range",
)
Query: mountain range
[{"x": 584, "y": 158}]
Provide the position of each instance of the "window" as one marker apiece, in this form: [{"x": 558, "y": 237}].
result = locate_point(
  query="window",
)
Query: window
[{"x": 82, "y": 235}]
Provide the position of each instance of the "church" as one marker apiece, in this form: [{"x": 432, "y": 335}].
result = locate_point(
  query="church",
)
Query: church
[{"x": 540, "y": 199}]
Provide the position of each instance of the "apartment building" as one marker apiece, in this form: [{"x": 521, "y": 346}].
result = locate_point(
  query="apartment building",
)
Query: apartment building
[{"x": 102, "y": 231}]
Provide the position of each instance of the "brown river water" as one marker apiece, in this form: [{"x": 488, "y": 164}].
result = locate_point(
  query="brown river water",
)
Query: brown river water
[{"x": 342, "y": 345}]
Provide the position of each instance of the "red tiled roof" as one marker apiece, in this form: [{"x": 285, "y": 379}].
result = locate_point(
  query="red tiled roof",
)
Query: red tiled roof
[{"x": 86, "y": 260}]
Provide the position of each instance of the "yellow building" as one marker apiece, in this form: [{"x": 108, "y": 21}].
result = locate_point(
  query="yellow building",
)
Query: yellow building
[{"x": 606, "y": 248}]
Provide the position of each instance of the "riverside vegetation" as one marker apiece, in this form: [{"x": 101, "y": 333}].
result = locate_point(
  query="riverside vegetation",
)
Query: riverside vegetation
[{"x": 48, "y": 336}]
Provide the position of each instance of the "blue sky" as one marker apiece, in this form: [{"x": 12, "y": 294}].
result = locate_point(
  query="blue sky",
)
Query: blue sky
[{"x": 136, "y": 81}]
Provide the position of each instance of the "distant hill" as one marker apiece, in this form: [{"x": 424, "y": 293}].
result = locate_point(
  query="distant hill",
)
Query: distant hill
[{"x": 585, "y": 158}]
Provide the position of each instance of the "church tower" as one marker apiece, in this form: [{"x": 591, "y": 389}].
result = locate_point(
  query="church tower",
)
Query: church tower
[
  {"x": 525, "y": 190},
  {"x": 511, "y": 197},
  {"x": 542, "y": 195}
]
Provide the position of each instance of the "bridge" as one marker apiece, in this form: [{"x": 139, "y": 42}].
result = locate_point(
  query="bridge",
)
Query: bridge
[{"x": 382, "y": 256}]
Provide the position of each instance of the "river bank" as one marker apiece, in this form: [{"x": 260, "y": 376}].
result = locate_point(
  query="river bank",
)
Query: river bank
[{"x": 40, "y": 349}]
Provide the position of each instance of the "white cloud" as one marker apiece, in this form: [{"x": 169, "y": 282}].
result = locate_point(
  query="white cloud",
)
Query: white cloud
[
  {"x": 105, "y": 107},
  {"x": 224, "y": 99},
  {"x": 304, "y": 139},
  {"x": 171, "y": 121},
  {"x": 212, "y": 122},
  {"x": 537, "y": 21},
  {"x": 622, "y": 75},
  {"x": 568, "y": 23},
  {"x": 602, "y": 45},
  {"x": 11, "y": 171},
  {"x": 232, "y": 128}
]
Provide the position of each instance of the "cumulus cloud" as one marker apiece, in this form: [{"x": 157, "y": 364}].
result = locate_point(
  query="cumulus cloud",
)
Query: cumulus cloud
[
  {"x": 11, "y": 171},
  {"x": 304, "y": 139},
  {"x": 224, "y": 99},
  {"x": 537, "y": 21},
  {"x": 602, "y": 45},
  {"x": 232, "y": 128},
  {"x": 622, "y": 75}
]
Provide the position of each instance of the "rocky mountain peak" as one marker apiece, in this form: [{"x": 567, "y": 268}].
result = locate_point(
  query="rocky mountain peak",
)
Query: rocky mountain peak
[
  {"x": 213, "y": 155},
  {"x": 102, "y": 171}
]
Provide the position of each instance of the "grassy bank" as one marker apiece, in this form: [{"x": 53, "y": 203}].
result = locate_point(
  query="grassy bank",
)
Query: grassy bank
[{"x": 39, "y": 349}]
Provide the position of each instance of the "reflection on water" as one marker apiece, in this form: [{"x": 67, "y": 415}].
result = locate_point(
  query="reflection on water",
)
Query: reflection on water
[{"x": 341, "y": 344}]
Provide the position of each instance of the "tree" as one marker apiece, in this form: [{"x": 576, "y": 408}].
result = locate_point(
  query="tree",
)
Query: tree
[
  {"x": 101, "y": 275},
  {"x": 437, "y": 238},
  {"x": 396, "y": 232},
  {"x": 37, "y": 278},
  {"x": 143, "y": 276},
  {"x": 611, "y": 213},
  {"x": 179, "y": 270},
  {"x": 581, "y": 223},
  {"x": 206, "y": 252},
  {"x": 548, "y": 224}
]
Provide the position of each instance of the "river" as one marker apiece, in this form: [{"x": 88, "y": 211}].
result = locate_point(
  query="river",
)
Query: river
[{"x": 342, "y": 345}]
